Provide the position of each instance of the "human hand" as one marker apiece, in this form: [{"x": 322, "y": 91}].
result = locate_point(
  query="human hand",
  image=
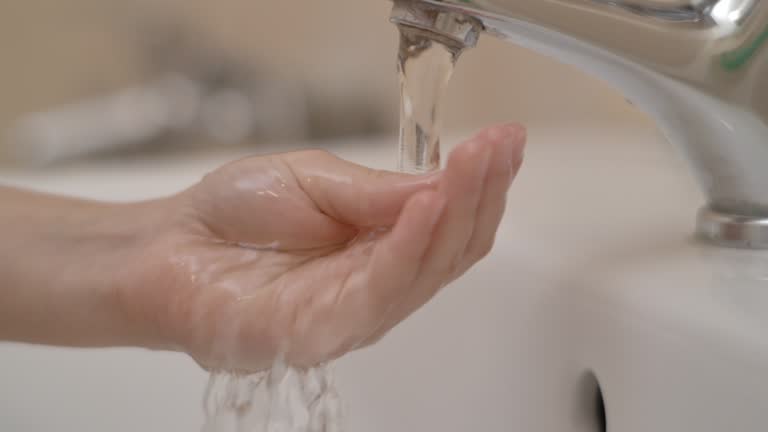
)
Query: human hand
[{"x": 308, "y": 256}]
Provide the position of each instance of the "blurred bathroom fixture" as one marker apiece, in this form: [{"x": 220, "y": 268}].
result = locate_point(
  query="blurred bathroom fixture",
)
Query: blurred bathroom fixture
[
  {"x": 172, "y": 110},
  {"x": 195, "y": 96}
]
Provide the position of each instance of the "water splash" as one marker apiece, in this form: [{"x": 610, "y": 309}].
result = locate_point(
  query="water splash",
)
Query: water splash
[{"x": 282, "y": 399}]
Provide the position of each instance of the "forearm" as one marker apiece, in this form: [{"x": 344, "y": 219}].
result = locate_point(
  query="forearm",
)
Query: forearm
[{"x": 61, "y": 261}]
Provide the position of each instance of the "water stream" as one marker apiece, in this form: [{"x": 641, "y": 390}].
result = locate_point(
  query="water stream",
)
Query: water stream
[{"x": 425, "y": 66}]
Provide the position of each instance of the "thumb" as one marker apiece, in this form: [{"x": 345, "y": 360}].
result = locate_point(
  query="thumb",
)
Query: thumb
[{"x": 354, "y": 194}]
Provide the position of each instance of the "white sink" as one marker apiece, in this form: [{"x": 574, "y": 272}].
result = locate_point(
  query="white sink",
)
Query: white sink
[{"x": 594, "y": 275}]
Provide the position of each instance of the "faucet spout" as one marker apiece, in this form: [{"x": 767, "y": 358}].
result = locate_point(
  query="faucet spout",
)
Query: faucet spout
[
  {"x": 698, "y": 67},
  {"x": 453, "y": 29}
]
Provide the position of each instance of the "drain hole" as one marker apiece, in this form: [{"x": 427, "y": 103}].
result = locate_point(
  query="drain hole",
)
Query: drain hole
[
  {"x": 592, "y": 417},
  {"x": 600, "y": 409}
]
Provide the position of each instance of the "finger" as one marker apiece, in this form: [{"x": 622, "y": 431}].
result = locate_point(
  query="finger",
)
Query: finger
[
  {"x": 508, "y": 142},
  {"x": 398, "y": 259},
  {"x": 368, "y": 296},
  {"x": 462, "y": 185},
  {"x": 354, "y": 194}
]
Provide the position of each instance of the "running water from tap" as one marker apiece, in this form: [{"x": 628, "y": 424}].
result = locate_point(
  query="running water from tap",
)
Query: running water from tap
[
  {"x": 282, "y": 399},
  {"x": 425, "y": 66}
]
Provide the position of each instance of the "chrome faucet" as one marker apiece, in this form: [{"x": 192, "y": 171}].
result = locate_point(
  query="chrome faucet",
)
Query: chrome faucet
[{"x": 698, "y": 67}]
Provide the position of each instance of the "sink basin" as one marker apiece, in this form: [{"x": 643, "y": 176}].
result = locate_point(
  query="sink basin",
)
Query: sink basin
[{"x": 595, "y": 307}]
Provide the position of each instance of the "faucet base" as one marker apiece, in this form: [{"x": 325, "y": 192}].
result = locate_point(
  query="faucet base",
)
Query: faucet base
[{"x": 735, "y": 231}]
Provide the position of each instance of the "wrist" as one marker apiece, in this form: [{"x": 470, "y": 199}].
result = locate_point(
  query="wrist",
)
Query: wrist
[
  {"x": 117, "y": 248},
  {"x": 63, "y": 261}
]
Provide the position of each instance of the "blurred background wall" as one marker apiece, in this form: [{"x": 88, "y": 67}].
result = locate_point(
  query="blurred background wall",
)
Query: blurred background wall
[{"x": 80, "y": 75}]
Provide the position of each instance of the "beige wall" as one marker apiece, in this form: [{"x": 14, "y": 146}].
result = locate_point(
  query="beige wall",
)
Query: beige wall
[{"x": 54, "y": 52}]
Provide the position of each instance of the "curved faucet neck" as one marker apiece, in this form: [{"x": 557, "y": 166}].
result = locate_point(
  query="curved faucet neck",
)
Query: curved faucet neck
[{"x": 698, "y": 67}]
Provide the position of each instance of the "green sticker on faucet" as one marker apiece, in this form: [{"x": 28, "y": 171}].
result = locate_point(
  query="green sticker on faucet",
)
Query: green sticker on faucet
[{"x": 735, "y": 59}]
